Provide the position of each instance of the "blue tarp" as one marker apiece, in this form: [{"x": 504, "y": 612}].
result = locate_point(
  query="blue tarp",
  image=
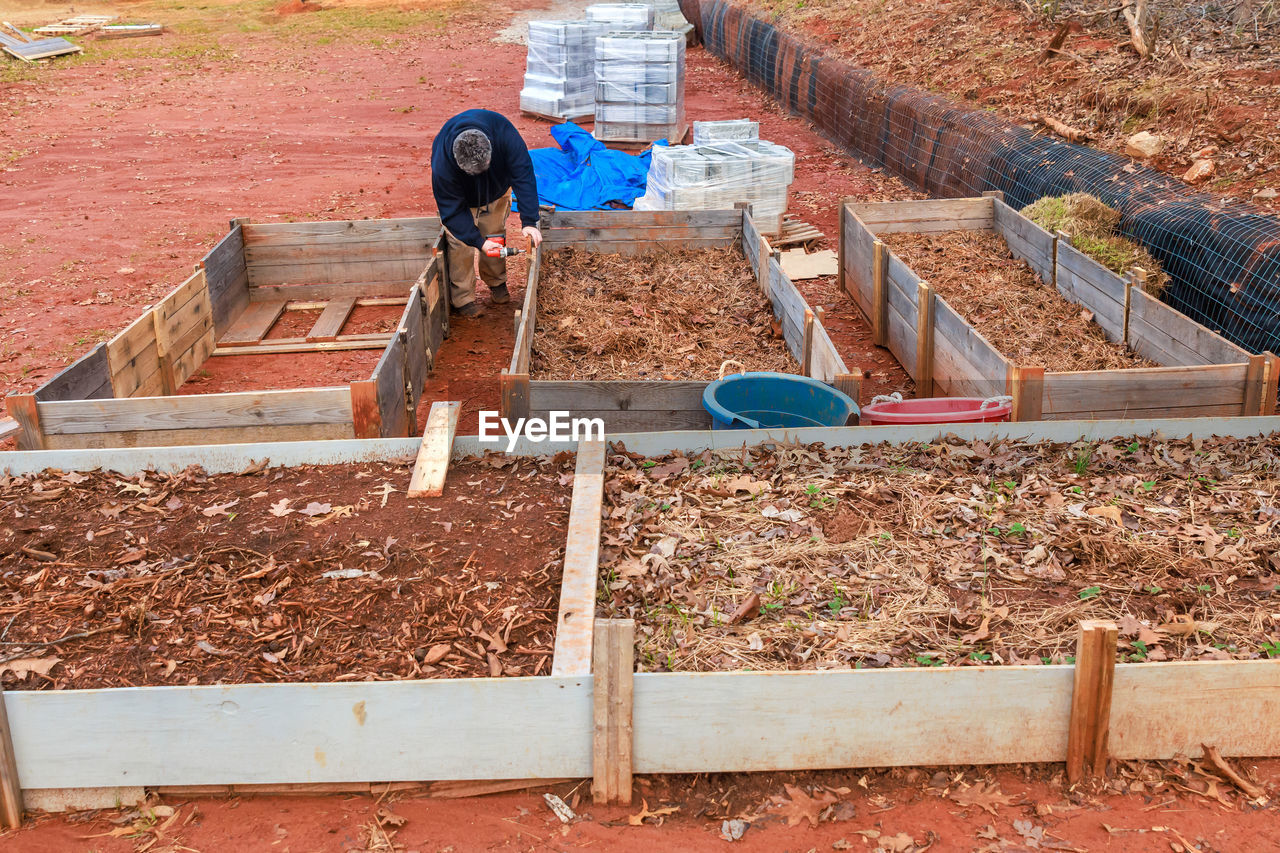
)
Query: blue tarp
[{"x": 582, "y": 174}]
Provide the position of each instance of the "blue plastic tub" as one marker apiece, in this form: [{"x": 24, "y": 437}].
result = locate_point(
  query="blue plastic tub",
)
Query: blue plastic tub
[{"x": 761, "y": 400}]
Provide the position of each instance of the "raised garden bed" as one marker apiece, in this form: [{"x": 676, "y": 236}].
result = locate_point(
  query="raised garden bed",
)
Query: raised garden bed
[
  {"x": 659, "y": 272},
  {"x": 307, "y": 573},
  {"x": 593, "y": 716},
  {"x": 130, "y": 390},
  {"x": 958, "y": 553},
  {"x": 1197, "y": 372}
]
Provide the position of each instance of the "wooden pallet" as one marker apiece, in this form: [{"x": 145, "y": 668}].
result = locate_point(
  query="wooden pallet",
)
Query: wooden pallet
[
  {"x": 248, "y": 334},
  {"x": 624, "y": 144},
  {"x": 18, "y": 44},
  {"x": 796, "y": 233},
  {"x": 78, "y": 25},
  {"x": 589, "y": 118},
  {"x": 126, "y": 31}
]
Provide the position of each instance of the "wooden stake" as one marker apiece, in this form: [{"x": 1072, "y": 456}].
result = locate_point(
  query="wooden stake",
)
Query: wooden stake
[
  {"x": 514, "y": 388},
  {"x": 1269, "y": 386},
  {"x": 1254, "y": 380},
  {"x": 10, "y": 787},
  {"x": 22, "y": 408},
  {"x": 168, "y": 381},
  {"x": 924, "y": 340},
  {"x": 365, "y": 415},
  {"x": 840, "y": 279},
  {"x": 1137, "y": 278},
  {"x": 996, "y": 194},
  {"x": 612, "y": 668},
  {"x": 879, "y": 295},
  {"x": 1026, "y": 385},
  {"x": 432, "y": 465},
  {"x": 850, "y": 384},
  {"x": 1091, "y": 699},
  {"x": 806, "y": 352},
  {"x": 762, "y": 268}
]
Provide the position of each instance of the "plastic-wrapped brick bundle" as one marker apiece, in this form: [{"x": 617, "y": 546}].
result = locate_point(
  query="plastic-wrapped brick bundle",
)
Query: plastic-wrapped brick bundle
[
  {"x": 560, "y": 75},
  {"x": 715, "y": 177},
  {"x": 730, "y": 130},
  {"x": 640, "y": 86},
  {"x": 622, "y": 17},
  {"x": 667, "y": 16}
]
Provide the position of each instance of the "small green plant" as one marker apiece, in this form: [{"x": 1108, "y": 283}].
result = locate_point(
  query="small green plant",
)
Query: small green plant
[
  {"x": 1204, "y": 588},
  {"x": 1132, "y": 447},
  {"x": 1271, "y": 648},
  {"x": 1140, "y": 652},
  {"x": 1017, "y": 529},
  {"x": 838, "y": 602},
  {"x": 1148, "y": 485},
  {"x": 648, "y": 463},
  {"x": 1154, "y": 589},
  {"x": 930, "y": 659},
  {"x": 981, "y": 657},
  {"x": 1090, "y": 592},
  {"x": 1081, "y": 464}
]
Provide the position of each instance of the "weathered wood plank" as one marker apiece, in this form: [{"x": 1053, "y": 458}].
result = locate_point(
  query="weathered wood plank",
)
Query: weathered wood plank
[
  {"x": 11, "y": 784},
  {"x": 417, "y": 355},
  {"x": 859, "y": 256},
  {"x": 1087, "y": 283},
  {"x": 366, "y": 419},
  {"x": 200, "y": 436},
  {"x": 284, "y": 346},
  {"x": 639, "y": 420},
  {"x": 613, "y": 676},
  {"x": 1170, "y": 337},
  {"x": 967, "y": 364},
  {"x": 190, "y": 359},
  {"x": 635, "y": 247},
  {"x": 242, "y": 409},
  {"x": 312, "y": 292},
  {"x": 216, "y": 735},
  {"x": 400, "y": 272},
  {"x": 393, "y": 405},
  {"x": 699, "y": 722},
  {"x": 953, "y": 214},
  {"x": 137, "y": 339},
  {"x": 1025, "y": 239},
  {"x": 432, "y": 464},
  {"x": 1232, "y": 705},
  {"x": 25, "y": 410},
  {"x": 227, "y": 278},
  {"x": 87, "y": 378},
  {"x": 253, "y": 324},
  {"x": 1091, "y": 699},
  {"x": 620, "y": 395},
  {"x": 1145, "y": 388},
  {"x": 575, "y": 623},
  {"x": 633, "y": 218},
  {"x": 341, "y": 231},
  {"x": 331, "y": 320},
  {"x": 336, "y": 251}
]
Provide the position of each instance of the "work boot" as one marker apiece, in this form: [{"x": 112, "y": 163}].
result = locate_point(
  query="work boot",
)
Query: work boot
[
  {"x": 500, "y": 295},
  {"x": 471, "y": 309}
]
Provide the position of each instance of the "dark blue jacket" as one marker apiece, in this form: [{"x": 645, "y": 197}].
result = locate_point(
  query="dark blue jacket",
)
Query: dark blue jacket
[{"x": 457, "y": 192}]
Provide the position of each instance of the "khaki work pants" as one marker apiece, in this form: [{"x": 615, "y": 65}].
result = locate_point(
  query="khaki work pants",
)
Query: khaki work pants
[{"x": 491, "y": 219}]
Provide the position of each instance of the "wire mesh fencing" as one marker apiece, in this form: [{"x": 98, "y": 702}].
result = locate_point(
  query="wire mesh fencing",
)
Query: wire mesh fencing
[{"x": 1222, "y": 256}]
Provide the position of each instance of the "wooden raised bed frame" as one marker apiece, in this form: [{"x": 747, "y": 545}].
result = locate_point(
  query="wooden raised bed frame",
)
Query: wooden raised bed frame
[
  {"x": 124, "y": 392},
  {"x": 635, "y": 405},
  {"x": 572, "y": 724},
  {"x": 1203, "y": 374}
]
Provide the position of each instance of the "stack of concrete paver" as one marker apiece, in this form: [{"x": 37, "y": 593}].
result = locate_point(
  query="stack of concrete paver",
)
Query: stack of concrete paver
[
  {"x": 640, "y": 86},
  {"x": 560, "y": 75}
]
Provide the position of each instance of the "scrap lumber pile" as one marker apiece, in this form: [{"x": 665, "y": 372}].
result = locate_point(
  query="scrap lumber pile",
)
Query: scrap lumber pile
[
  {"x": 312, "y": 573},
  {"x": 1022, "y": 317},
  {"x": 982, "y": 553},
  {"x": 21, "y": 46},
  {"x": 658, "y": 315}
]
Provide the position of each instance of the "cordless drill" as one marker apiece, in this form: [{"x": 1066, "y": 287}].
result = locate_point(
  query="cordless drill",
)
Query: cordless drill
[{"x": 502, "y": 251}]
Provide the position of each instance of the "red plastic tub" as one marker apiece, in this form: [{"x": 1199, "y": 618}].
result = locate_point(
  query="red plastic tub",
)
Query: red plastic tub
[{"x": 936, "y": 410}]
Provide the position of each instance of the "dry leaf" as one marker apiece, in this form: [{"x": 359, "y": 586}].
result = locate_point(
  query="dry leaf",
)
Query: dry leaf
[
  {"x": 314, "y": 508},
  {"x": 801, "y": 806},
  {"x": 22, "y": 667},
  {"x": 740, "y": 483},
  {"x": 981, "y": 634},
  {"x": 1109, "y": 511},
  {"x": 219, "y": 509},
  {"x": 280, "y": 508},
  {"x": 639, "y": 817},
  {"x": 985, "y": 796}
]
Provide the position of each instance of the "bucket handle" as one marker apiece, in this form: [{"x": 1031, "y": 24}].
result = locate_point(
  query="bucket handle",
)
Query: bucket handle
[
  {"x": 998, "y": 400},
  {"x": 895, "y": 397},
  {"x": 725, "y": 364}
]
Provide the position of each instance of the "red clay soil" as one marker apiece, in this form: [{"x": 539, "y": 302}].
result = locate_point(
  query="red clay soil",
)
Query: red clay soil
[
  {"x": 312, "y": 573},
  {"x": 956, "y": 810}
]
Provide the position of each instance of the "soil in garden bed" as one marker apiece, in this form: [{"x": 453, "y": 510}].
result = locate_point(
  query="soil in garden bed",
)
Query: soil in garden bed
[
  {"x": 804, "y": 557},
  {"x": 657, "y": 315},
  {"x": 1027, "y": 320},
  {"x": 315, "y": 573}
]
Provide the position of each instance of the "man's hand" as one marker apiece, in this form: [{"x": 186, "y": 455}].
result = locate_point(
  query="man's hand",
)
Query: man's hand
[
  {"x": 491, "y": 246},
  {"x": 534, "y": 235}
]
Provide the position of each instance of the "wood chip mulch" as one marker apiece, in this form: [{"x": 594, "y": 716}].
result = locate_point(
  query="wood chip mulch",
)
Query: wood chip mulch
[
  {"x": 280, "y": 574},
  {"x": 1025, "y": 319},
  {"x": 658, "y": 315}
]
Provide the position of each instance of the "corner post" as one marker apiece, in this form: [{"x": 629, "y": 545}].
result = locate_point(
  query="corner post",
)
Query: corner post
[
  {"x": 612, "y": 668},
  {"x": 1090, "y": 724},
  {"x": 23, "y": 409},
  {"x": 879, "y": 296},
  {"x": 1026, "y": 386},
  {"x": 924, "y": 339},
  {"x": 10, "y": 787}
]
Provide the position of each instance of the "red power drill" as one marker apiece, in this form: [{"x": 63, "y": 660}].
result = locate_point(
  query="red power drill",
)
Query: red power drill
[{"x": 502, "y": 251}]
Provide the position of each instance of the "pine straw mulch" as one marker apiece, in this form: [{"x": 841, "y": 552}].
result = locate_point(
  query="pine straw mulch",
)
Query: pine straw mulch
[
  {"x": 657, "y": 315},
  {"x": 280, "y": 574},
  {"x": 805, "y": 557},
  {"x": 1026, "y": 320}
]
